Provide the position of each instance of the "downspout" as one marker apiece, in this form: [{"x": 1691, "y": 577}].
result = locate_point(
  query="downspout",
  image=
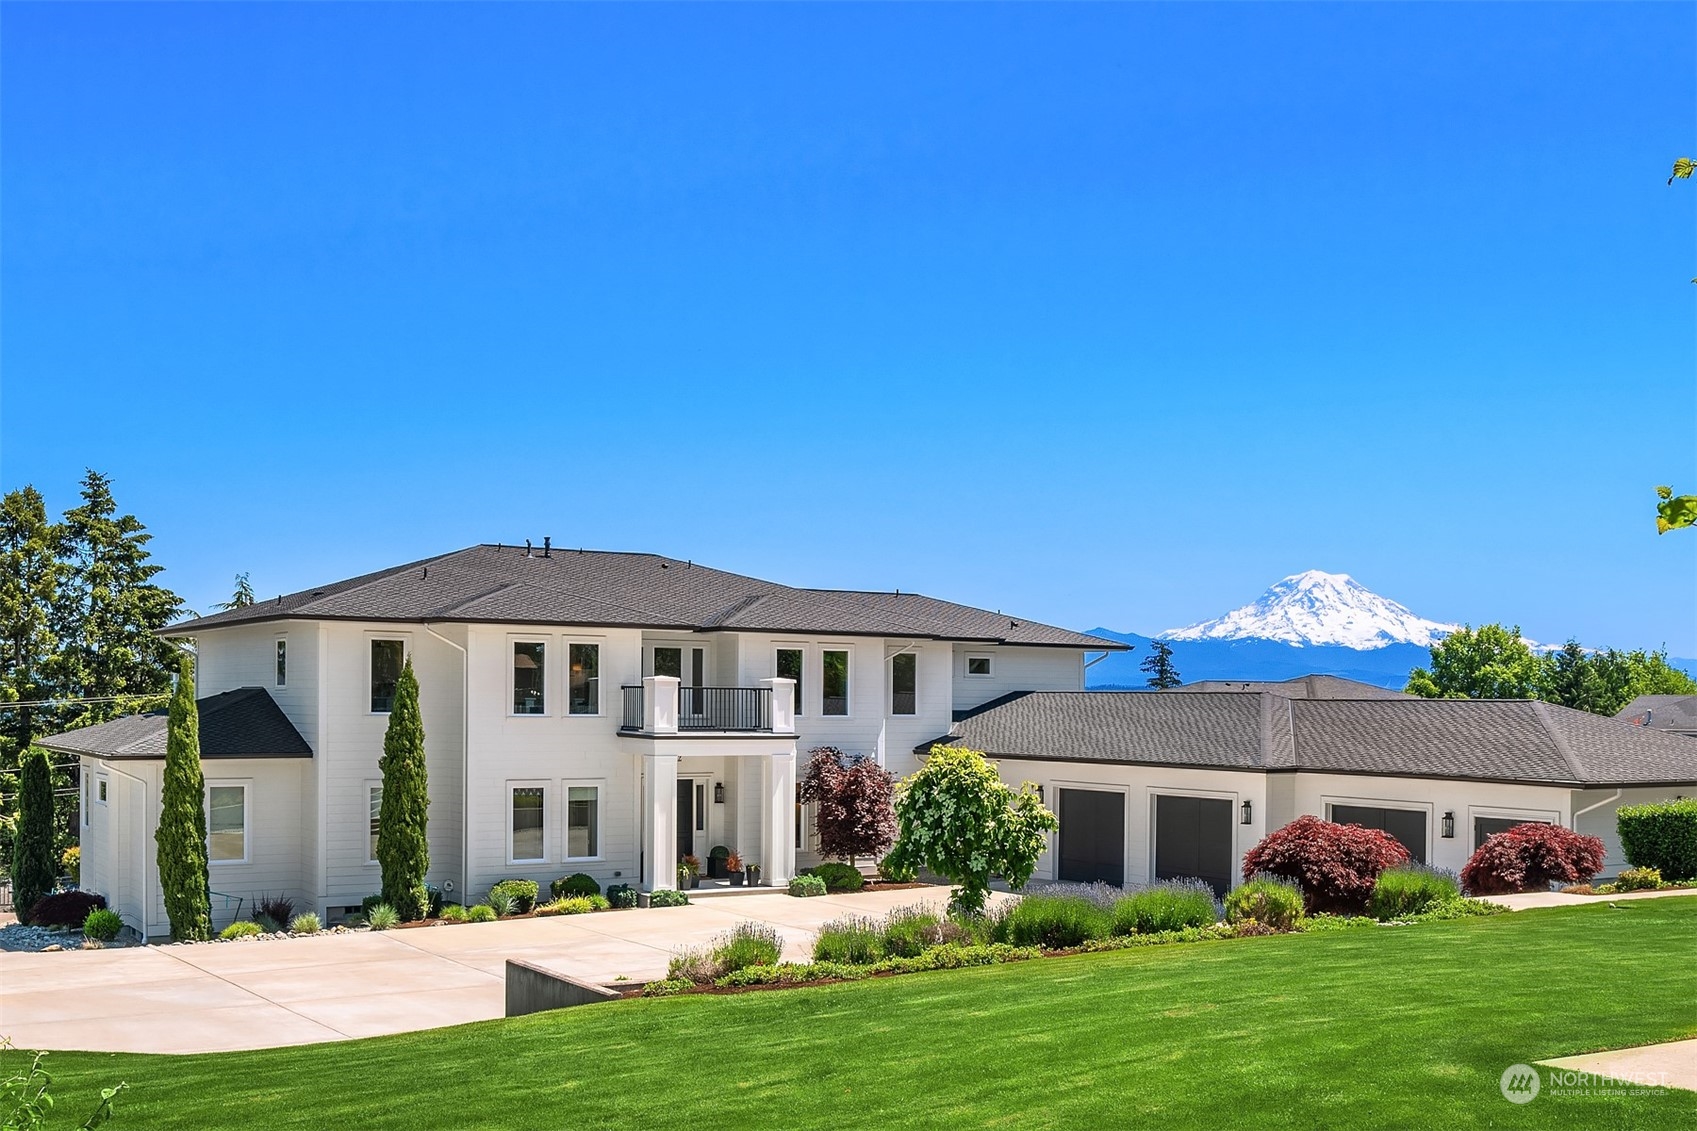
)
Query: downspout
[{"x": 465, "y": 755}]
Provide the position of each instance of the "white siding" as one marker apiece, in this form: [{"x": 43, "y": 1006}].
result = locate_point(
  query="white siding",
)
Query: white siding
[{"x": 1016, "y": 669}]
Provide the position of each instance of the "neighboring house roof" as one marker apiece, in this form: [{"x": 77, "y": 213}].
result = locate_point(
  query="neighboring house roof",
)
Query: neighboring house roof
[
  {"x": 598, "y": 588},
  {"x": 1677, "y": 713},
  {"x": 245, "y": 723},
  {"x": 1302, "y": 687},
  {"x": 1494, "y": 740}
]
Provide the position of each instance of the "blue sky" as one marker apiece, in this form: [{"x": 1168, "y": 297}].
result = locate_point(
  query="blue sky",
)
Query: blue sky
[{"x": 1104, "y": 314}]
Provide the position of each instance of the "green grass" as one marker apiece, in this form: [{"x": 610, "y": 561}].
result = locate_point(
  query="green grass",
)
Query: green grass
[{"x": 1377, "y": 1027}]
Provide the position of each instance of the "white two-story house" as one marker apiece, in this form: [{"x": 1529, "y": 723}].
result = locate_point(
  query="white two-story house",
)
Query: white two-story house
[{"x": 584, "y": 711}]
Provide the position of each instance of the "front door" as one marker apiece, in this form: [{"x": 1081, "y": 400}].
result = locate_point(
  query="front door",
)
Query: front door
[
  {"x": 1193, "y": 839},
  {"x": 1092, "y": 836}
]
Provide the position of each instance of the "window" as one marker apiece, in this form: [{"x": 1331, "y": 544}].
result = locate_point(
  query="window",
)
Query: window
[
  {"x": 904, "y": 684},
  {"x": 282, "y": 663},
  {"x": 527, "y": 678},
  {"x": 387, "y": 656},
  {"x": 374, "y": 797},
  {"x": 834, "y": 682},
  {"x": 583, "y": 821},
  {"x": 789, "y": 667},
  {"x": 226, "y": 824},
  {"x": 585, "y": 698},
  {"x": 978, "y": 666},
  {"x": 527, "y": 841}
]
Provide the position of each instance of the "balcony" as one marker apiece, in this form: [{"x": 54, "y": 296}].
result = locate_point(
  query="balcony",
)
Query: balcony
[{"x": 661, "y": 705}]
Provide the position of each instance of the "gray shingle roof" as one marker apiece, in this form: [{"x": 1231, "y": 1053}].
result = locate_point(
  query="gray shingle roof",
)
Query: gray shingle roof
[
  {"x": 244, "y": 723},
  {"x": 1662, "y": 712},
  {"x": 601, "y": 588},
  {"x": 1496, "y": 740}
]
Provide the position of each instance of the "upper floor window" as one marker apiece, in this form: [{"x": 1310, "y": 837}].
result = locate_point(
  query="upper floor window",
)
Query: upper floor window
[
  {"x": 226, "y": 824},
  {"x": 387, "y": 656},
  {"x": 528, "y": 669},
  {"x": 789, "y": 667},
  {"x": 978, "y": 666},
  {"x": 584, "y": 696},
  {"x": 282, "y": 663},
  {"x": 834, "y": 681},
  {"x": 904, "y": 684}
]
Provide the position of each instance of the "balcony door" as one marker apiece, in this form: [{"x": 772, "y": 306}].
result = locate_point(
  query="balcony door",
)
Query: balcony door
[{"x": 689, "y": 667}]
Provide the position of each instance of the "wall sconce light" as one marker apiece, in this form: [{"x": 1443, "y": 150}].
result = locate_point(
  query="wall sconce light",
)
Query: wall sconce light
[
  {"x": 1248, "y": 817},
  {"x": 718, "y": 793},
  {"x": 1447, "y": 826}
]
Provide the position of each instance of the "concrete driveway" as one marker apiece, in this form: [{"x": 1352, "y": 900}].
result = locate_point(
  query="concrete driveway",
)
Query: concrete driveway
[{"x": 219, "y": 997}]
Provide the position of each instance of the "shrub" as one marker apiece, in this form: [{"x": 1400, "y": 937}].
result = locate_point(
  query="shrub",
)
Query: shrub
[
  {"x": 1334, "y": 865},
  {"x": 519, "y": 894},
  {"x": 482, "y": 913},
  {"x": 306, "y": 923},
  {"x": 747, "y": 944},
  {"x": 65, "y": 909},
  {"x": 837, "y": 876},
  {"x": 667, "y": 897},
  {"x": 1531, "y": 858},
  {"x": 621, "y": 896},
  {"x": 1409, "y": 889},
  {"x": 454, "y": 913},
  {"x": 102, "y": 925},
  {"x": 854, "y": 940},
  {"x": 1056, "y": 922},
  {"x": 578, "y": 883},
  {"x": 70, "y": 864},
  {"x": 1272, "y": 901},
  {"x": 240, "y": 929},
  {"x": 1661, "y": 835},
  {"x": 280, "y": 909},
  {"x": 910, "y": 931},
  {"x": 1638, "y": 879},
  {"x": 805, "y": 886},
  {"x": 1170, "y": 905},
  {"x": 382, "y": 917}
]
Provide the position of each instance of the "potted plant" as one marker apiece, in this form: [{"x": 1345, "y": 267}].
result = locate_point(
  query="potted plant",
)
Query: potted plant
[
  {"x": 733, "y": 862},
  {"x": 753, "y": 872},
  {"x": 689, "y": 872}
]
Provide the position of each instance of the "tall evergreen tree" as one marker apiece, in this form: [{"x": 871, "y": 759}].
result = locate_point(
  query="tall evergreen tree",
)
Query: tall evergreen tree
[
  {"x": 403, "y": 844},
  {"x": 34, "y": 867},
  {"x": 181, "y": 836},
  {"x": 110, "y": 610},
  {"x": 29, "y": 588},
  {"x": 1159, "y": 665}
]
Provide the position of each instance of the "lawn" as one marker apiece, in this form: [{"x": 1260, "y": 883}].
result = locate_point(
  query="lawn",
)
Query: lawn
[{"x": 1376, "y": 1027}]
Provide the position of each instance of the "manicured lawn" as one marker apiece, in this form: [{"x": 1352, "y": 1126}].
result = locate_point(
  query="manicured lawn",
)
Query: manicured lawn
[{"x": 1379, "y": 1027}]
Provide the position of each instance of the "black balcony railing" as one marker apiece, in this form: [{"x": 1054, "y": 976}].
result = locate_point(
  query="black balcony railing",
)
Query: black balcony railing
[{"x": 710, "y": 708}]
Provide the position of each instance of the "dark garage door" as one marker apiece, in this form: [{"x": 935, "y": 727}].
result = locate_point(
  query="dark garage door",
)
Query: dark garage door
[
  {"x": 1486, "y": 827},
  {"x": 1407, "y": 825},
  {"x": 1193, "y": 837},
  {"x": 1092, "y": 836}
]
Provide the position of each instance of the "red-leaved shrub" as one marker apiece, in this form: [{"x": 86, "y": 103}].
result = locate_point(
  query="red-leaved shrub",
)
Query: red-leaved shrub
[
  {"x": 1531, "y": 857},
  {"x": 1334, "y": 865},
  {"x": 64, "y": 908}
]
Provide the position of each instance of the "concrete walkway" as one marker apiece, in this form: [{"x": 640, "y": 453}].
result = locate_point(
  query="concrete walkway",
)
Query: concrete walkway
[
  {"x": 1526, "y": 899},
  {"x": 220, "y": 997},
  {"x": 1670, "y": 1065}
]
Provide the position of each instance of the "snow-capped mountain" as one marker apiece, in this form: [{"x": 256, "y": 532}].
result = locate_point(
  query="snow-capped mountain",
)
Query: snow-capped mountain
[{"x": 1318, "y": 609}]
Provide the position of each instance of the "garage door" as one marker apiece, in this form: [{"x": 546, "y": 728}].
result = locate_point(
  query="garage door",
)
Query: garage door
[
  {"x": 1193, "y": 838},
  {"x": 1407, "y": 825},
  {"x": 1486, "y": 827},
  {"x": 1092, "y": 836}
]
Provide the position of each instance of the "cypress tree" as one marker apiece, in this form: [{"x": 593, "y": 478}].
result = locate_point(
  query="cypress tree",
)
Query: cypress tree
[
  {"x": 33, "y": 867},
  {"x": 181, "y": 835},
  {"x": 403, "y": 848}
]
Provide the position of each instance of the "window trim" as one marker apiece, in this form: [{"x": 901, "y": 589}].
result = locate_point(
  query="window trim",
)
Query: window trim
[
  {"x": 801, "y": 684},
  {"x": 599, "y": 785},
  {"x": 890, "y": 707},
  {"x": 600, "y": 645},
  {"x": 548, "y": 665},
  {"x": 371, "y": 638},
  {"x": 547, "y": 825},
  {"x": 848, "y": 676},
  {"x": 371, "y": 845},
  {"x": 989, "y": 659},
  {"x": 246, "y": 786},
  {"x": 280, "y": 661}
]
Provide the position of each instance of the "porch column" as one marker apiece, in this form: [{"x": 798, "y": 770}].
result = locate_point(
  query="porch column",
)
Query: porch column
[
  {"x": 659, "y": 821},
  {"x": 779, "y": 832}
]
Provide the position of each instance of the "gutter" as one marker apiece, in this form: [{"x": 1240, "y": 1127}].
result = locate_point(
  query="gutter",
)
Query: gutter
[{"x": 465, "y": 753}]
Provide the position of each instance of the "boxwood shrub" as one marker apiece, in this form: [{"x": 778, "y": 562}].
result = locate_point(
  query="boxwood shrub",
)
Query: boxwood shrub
[
  {"x": 520, "y": 893},
  {"x": 1409, "y": 889},
  {"x": 1661, "y": 835},
  {"x": 1170, "y": 905},
  {"x": 805, "y": 886},
  {"x": 578, "y": 883}
]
